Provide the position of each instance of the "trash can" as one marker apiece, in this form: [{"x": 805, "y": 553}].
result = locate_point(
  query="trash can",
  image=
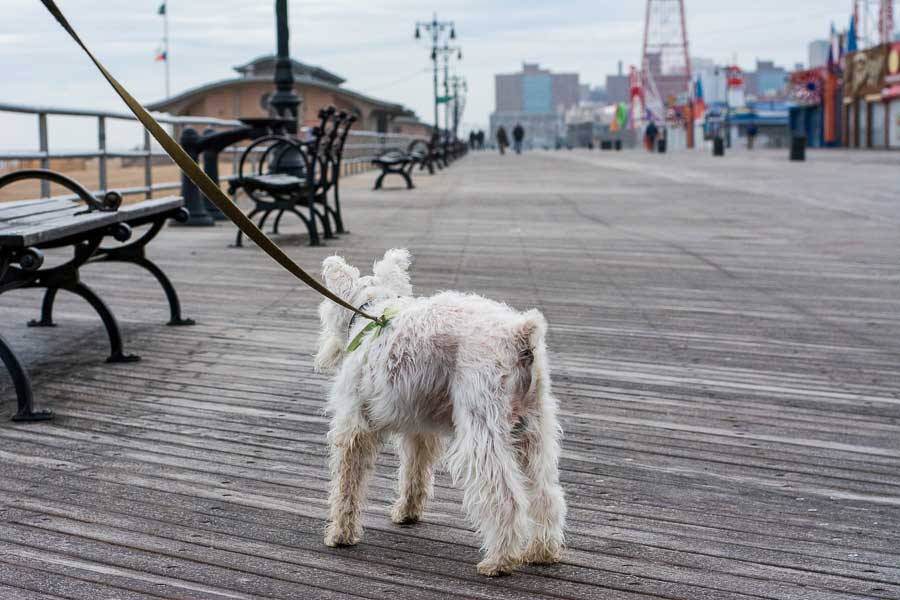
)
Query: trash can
[
  {"x": 718, "y": 147},
  {"x": 661, "y": 146},
  {"x": 798, "y": 147},
  {"x": 618, "y": 144}
]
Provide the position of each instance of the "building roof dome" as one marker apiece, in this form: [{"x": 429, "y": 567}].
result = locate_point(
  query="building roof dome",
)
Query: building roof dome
[{"x": 264, "y": 66}]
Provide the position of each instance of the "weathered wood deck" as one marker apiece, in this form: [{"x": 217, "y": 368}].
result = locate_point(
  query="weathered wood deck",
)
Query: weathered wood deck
[{"x": 725, "y": 336}]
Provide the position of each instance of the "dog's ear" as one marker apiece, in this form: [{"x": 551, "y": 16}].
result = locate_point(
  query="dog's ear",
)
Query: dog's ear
[
  {"x": 339, "y": 277},
  {"x": 393, "y": 271}
]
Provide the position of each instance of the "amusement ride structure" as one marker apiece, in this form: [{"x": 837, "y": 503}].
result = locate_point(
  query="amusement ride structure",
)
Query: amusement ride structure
[{"x": 665, "y": 75}]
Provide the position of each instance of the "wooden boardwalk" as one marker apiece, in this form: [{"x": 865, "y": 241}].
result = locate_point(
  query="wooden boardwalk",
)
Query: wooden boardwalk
[{"x": 725, "y": 338}]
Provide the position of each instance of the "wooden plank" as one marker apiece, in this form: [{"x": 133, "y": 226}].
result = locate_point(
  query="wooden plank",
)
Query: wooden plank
[{"x": 724, "y": 341}]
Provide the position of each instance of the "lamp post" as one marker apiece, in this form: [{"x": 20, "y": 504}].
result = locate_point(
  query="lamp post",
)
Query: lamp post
[
  {"x": 436, "y": 29},
  {"x": 459, "y": 84},
  {"x": 284, "y": 101}
]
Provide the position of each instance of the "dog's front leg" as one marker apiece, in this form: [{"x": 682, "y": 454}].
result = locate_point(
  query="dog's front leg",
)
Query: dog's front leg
[
  {"x": 418, "y": 453},
  {"x": 353, "y": 452}
]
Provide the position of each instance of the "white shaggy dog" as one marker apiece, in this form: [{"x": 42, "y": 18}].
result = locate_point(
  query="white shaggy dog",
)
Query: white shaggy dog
[{"x": 450, "y": 365}]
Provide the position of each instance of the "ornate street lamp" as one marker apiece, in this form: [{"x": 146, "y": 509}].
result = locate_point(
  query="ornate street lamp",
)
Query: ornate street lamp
[
  {"x": 284, "y": 101},
  {"x": 436, "y": 28}
]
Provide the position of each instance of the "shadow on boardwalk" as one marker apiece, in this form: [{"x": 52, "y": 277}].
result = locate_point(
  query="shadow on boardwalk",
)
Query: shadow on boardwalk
[{"x": 725, "y": 338}]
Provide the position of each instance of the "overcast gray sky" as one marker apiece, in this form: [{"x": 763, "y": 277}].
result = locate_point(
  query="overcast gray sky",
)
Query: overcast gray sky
[{"x": 371, "y": 43}]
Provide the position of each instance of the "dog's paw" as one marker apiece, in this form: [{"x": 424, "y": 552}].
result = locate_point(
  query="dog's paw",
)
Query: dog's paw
[
  {"x": 496, "y": 568},
  {"x": 335, "y": 537},
  {"x": 403, "y": 514},
  {"x": 542, "y": 553}
]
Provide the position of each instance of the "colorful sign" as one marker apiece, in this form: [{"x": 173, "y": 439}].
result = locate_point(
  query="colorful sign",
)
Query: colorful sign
[
  {"x": 892, "y": 77},
  {"x": 806, "y": 86},
  {"x": 865, "y": 72},
  {"x": 734, "y": 76}
]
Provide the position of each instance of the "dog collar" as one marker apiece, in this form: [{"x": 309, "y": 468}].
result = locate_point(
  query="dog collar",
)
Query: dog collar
[
  {"x": 361, "y": 308},
  {"x": 388, "y": 314}
]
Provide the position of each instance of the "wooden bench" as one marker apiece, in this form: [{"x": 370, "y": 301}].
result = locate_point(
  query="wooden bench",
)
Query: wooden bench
[
  {"x": 290, "y": 174},
  {"x": 330, "y": 157},
  {"x": 395, "y": 162},
  {"x": 29, "y": 227}
]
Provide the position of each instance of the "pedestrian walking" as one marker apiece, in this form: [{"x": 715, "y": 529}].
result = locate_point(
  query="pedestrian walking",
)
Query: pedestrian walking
[
  {"x": 502, "y": 139},
  {"x": 650, "y": 136},
  {"x": 518, "y": 136},
  {"x": 752, "y": 130}
]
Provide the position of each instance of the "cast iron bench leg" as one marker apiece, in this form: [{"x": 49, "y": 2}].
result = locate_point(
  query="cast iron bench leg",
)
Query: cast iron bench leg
[
  {"x": 380, "y": 180},
  {"x": 117, "y": 354},
  {"x": 46, "y": 310},
  {"x": 175, "y": 318},
  {"x": 277, "y": 222},
  {"x": 25, "y": 411},
  {"x": 405, "y": 172},
  {"x": 338, "y": 220},
  {"x": 238, "y": 242}
]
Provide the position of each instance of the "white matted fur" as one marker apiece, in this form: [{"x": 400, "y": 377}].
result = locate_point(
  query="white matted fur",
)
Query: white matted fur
[{"x": 450, "y": 367}]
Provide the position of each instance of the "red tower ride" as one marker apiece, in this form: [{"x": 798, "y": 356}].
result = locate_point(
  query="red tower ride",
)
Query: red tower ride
[{"x": 666, "y": 62}]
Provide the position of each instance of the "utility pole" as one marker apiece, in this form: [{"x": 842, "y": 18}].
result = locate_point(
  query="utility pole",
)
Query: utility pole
[{"x": 436, "y": 29}]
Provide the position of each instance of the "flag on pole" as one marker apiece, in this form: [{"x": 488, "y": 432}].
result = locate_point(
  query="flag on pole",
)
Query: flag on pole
[
  {"x": 852, "y": 45},
  {"x": 161, "y": 56},
  {"x": 162, "y": 9},
  {"x": 699, "y": 104},
  {"x": 834, "y": 49}
]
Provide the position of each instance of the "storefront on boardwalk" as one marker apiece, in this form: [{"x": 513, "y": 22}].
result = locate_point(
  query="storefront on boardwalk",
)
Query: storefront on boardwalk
[
  {"x": 865, "y": 108},
  {"x": 891, "y": 95}
]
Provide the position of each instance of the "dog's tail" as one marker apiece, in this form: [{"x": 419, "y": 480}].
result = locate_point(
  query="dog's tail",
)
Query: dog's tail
[
  {"x": 529, "y": 336},
  {"x": 528, "y": 377}
]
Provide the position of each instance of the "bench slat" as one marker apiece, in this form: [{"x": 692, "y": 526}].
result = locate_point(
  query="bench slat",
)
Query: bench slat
[
  {"x": 37, "y": 207},
  {"x": 26, "y": 233},
  {"x": 43, "y": 225}
]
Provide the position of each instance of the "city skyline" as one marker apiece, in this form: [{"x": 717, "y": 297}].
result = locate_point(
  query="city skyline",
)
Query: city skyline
[{"x": 588, "y": 38}]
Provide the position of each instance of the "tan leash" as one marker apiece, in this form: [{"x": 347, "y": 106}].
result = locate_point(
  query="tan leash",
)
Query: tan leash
[{"x": 202, "y": 180}]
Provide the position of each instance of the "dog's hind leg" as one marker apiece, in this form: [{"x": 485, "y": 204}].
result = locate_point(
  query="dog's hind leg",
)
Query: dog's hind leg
[
  {"x": 353, "y": 452},
  {"x": 537, "y": 445},
  {"x": 483, "y": 459},
  {"x": 418, "y": 453}
]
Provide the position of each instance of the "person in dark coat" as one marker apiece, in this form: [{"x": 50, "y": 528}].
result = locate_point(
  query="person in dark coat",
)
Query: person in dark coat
[
  {"x": 752, "y": 130},
  {"x": 502, "y": 139},
  {"x": 651, "y": 133},
  {"x": 518, "y": 136}
]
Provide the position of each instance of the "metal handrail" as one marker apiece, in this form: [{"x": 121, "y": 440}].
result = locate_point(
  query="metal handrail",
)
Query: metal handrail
[
  {"x": 372, "y": 142},
  {"x": 108, "y": 114}
]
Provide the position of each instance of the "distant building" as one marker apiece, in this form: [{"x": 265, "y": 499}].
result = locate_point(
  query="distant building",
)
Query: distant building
[
  {"x": 536, "y": 90},
  {"x": 818, "y": 54},
  {"x": 598, "y": 95},
  {"x": 247, "y": 95},
  {"x": 768, "y": 81},
  {"x": 535, "y": 98},
  {"x": 713, "y": 80},
  {"x": 618, "y": 88}
]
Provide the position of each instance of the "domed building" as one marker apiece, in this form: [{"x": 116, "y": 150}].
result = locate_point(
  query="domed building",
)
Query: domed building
[{"x": 247, "y": 95}]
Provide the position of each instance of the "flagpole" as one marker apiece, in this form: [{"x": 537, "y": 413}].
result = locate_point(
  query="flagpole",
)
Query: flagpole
[{"x": 166, "y": 47}]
